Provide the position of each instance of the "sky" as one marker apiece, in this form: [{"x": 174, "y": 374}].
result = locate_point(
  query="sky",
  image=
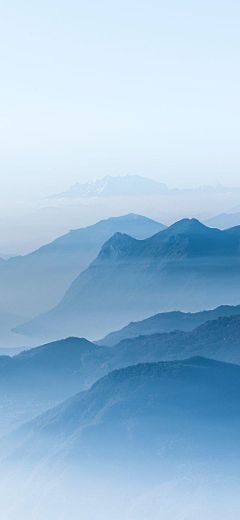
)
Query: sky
[{"x": 93, "y": 88}]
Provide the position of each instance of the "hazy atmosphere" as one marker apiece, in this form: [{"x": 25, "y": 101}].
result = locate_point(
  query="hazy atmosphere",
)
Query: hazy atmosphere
[
  {"x": 119, "y": 260},
  {"x": 90, "y": 89}
]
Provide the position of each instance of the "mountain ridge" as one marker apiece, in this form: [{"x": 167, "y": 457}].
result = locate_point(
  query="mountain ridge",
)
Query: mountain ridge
[
  {"x": 167, "y": 322},
  {"x": 34, "y": 283},
  {"x": 224, "y": 220},
  {"x": 184, "y": 263},
  {"x": 114, "y": 186}
]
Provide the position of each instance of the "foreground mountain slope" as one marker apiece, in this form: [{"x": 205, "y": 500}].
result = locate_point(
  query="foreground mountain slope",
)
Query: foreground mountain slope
[
  {"x": 151, "y": 441},
  {"x": 167, "y": 322},
  {"x": 36, "y": 282},
  {"x": 155, "y": 437},
  {"x": 119, "y": 415},
  {"x": 187, "y": 266}
]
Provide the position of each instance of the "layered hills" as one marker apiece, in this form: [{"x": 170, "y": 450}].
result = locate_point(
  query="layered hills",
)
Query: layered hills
[{"x": 43, "y": 376}]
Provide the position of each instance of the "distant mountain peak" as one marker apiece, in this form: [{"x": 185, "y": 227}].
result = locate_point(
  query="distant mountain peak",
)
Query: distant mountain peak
[
  {"x": 130, "y": 185},
  {"x": 129, "y": 218},
  {"x": 127, "y": 185},
  {"x": 224, "y": 220}
]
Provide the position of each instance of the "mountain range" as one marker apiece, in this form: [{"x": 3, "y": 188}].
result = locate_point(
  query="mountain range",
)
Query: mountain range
[
  {"x": 187, "y": 266},
  {"x": 120, "y": 186},
  {"x": 34, "y": 283},
  {"x": 167, "y": 322},
  {"x": 130, "y": 186},
  {"x": 216, "y": 339}
]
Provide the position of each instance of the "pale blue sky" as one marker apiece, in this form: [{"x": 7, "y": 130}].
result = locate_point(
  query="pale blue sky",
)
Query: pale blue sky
[{"x": 96, "y": 88}]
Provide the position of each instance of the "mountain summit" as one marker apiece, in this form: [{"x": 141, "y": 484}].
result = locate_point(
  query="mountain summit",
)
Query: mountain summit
[{"x": 187, "y": 225}]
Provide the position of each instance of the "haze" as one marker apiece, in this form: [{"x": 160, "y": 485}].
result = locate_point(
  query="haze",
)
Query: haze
[{"x": 90, "y": 89}]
